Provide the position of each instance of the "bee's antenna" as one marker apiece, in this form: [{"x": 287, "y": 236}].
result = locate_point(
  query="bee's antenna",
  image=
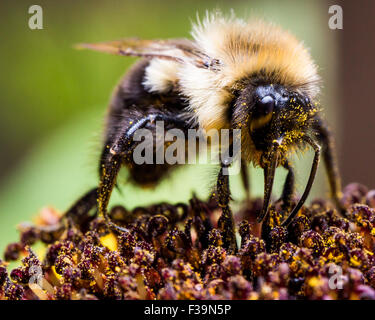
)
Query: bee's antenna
[{"x": 310, "y": 182}]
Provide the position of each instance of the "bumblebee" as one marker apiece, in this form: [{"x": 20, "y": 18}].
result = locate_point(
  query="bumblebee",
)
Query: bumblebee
[{"x": 236, "y": 74}]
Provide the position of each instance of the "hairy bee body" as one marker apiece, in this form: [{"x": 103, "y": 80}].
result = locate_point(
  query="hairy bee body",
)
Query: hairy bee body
[{"x": 234, "y": 74}]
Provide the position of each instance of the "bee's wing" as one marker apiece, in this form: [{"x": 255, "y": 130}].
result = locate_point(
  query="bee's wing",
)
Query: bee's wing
[{"x": 179, "y": 50}]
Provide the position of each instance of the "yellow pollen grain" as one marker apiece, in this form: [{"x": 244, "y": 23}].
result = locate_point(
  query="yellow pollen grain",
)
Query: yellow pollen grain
[{"x": 109, "y": 241}]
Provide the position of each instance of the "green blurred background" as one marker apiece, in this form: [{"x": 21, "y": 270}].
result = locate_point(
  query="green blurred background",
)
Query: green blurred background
[{"x": 53, "y": 97}]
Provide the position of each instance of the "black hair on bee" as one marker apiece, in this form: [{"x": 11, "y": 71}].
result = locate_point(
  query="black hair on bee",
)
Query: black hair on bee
[{"x": 237, "y": 74}]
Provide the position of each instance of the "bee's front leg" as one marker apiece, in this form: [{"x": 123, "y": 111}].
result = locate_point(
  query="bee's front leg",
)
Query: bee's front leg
[
  {"x": 245, "y": 178},
  {"x": 326, "y": 140},
  {"x": 226, "y": 221},
  {"x": 289, "y": 186}
]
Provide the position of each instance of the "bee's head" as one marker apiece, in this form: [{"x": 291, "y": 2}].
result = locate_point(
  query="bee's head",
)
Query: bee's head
[
  {"x": 275, "y": 116},
  {"x": 277, "y": 120}
]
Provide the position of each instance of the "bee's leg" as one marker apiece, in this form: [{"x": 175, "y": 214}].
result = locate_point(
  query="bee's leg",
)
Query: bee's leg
[
  {"x": 110, "y": 168},
  {"x": 112, "y": 156},
  {"x": 77, "y": 214},
  {"x": 269, "y": 177},
  {"x": 289, "y": 186},
  {"x": 79, "y": 210},
  {"x": 226, "y": 221},
  {"x": 245, "y": 178},
  {"x": 103, "y": 155},
  {"x": 119, "y": 151},
  {"x": 325, "y": 138},
  {"x": 310, "y": 181}
]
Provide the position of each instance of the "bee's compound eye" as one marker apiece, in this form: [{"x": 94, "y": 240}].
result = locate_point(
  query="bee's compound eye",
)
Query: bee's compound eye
[{"x": 262, "y": 112}]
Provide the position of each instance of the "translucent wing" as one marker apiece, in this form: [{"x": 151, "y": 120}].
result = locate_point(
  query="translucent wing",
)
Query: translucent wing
[{"x": 179, "y": 50}]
